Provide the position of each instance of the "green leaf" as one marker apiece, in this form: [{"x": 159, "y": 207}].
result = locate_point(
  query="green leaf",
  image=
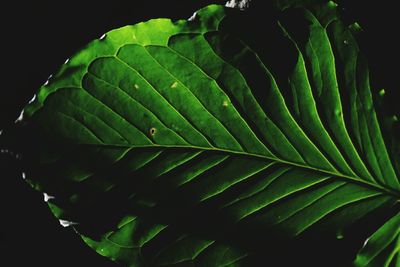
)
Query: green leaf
[
  {"x": 383, "y": 247},
  {"x": 186, "y": 144}
]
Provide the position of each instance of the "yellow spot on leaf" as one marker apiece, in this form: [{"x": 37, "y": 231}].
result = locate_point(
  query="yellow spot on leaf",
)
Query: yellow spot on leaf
[{"x": 174, "y": 85}]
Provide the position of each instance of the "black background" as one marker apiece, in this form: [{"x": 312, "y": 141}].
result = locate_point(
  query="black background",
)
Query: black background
[{"x": 37, "y": 36}]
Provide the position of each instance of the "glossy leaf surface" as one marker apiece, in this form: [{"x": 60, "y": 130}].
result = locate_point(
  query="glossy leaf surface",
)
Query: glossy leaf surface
[{"x": 179, "y": 144}]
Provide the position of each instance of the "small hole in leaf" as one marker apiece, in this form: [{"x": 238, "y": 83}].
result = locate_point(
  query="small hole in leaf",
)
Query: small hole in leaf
[
  {"x": 152, "y": 131},
  {"x": 136, "y": 86},
  {"x": 225, "y": 104}
]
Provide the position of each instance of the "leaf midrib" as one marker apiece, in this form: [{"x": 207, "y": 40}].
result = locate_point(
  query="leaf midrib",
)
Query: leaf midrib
[{"x": 354, "y": 179}]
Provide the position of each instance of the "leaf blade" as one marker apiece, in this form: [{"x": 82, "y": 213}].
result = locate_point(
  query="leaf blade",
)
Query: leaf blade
[{"x": 183, "y": 128}]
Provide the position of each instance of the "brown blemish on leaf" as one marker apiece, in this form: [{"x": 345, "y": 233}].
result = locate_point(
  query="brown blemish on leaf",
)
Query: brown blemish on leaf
[{"x": 152, "y": 131}]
